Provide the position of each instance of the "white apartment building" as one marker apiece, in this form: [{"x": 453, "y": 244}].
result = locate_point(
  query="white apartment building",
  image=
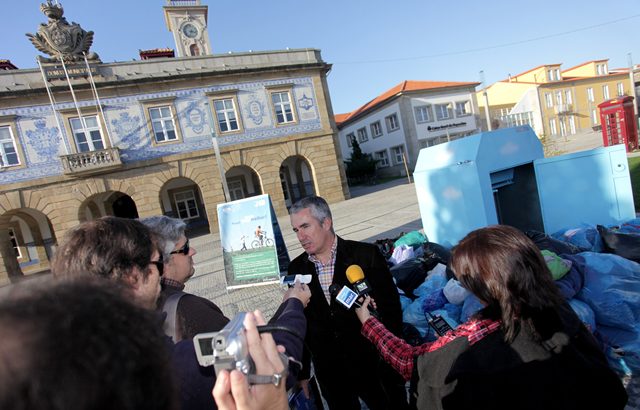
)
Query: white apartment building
[{"x": 394, "y": 126}]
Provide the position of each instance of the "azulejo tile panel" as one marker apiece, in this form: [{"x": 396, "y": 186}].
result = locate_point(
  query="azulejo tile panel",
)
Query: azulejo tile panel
[{"x": 128, "y": 129}]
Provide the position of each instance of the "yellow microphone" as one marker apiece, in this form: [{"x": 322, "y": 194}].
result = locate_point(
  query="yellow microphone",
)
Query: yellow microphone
[{"x": 355, "y": 276}]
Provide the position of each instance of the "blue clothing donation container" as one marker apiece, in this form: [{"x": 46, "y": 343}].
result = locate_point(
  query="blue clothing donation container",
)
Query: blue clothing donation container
[{"x": 502, "y": 177}]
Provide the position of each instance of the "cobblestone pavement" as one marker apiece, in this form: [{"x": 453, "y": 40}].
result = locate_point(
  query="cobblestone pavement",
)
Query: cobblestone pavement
[
  {"x": 374, "y": 212},
  {"x": 379, "y": 211}
]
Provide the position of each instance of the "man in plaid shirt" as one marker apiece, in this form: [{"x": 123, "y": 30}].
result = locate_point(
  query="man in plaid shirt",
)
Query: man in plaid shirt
[{"x": 346, "y": 365}]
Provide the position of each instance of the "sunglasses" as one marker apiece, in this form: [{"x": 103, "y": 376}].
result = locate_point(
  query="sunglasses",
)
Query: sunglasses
[
  {"x": 184, "y": 249},
  {"x": 159, "y": 264}
]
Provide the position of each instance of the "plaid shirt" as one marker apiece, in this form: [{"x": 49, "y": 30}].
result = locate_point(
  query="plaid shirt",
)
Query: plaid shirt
[
  {"x": 400, "y": 354},
  {"x": 166, "y": 282},
  {"x": 325, "y": 271}
]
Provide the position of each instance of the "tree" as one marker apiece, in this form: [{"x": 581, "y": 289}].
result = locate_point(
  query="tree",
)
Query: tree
[{"x": 360, "y": 166}]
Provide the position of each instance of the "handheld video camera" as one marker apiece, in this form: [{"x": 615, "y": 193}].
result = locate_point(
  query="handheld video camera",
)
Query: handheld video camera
[{"x": 226, "y": 349}]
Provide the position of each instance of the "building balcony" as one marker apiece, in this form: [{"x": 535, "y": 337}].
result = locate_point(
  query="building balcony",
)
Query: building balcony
[
  {"x": 563, "y": 108},
  {"x": 91, "y": 162}
]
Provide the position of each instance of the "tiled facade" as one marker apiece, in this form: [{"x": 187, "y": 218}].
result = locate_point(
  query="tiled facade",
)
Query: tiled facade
[{"x": 149, "y": 149}]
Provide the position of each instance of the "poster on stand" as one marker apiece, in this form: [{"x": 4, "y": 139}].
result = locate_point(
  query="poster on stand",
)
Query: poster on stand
[{"x": 253, "y": 248}]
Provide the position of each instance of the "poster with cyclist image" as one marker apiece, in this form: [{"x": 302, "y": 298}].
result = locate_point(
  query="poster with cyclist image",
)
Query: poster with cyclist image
[{"x": 253, "y": 249}]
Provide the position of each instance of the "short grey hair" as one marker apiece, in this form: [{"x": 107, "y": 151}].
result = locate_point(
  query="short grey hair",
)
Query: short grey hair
[
  {"x": 318, "y": 206},
  {"x": 168, "y": 231}
]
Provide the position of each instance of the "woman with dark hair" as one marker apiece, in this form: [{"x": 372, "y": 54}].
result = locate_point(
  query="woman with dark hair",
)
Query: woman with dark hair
[{"x": 525, "y": 349}]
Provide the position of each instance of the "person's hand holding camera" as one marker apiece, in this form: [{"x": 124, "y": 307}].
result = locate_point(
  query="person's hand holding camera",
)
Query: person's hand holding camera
[{"x": 232, "y": 390}]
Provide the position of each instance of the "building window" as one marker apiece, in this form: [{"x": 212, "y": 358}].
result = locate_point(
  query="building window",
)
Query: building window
[
  {"x": 382, "y": 157},
  {"x": 282, "y": 107},
  {"x": 553, "y": 74},
  {"x": 462, "y": 108},
  {"x": 605, "y": 92},
  {"x": 423, "y": 114},
  {"x": 186, "y": 205},
  {"x": 8, "y": 152},
  {"x": 552, "y": 127},
  {"x": 236, "y": 189},
  {"x": 392, "y": 122},
  {"x": 164, "y": 129},
  {"x": 620, "y": 87},
  {"x": 162, "y": 120},
  {"x": 548, "y": 100},
  {"x": 376, "y": 129},
  {"x": 87, "y": 137},
  {"x": 443, "y": 111},
  {"x": 567, "y": 97},
  {"x": 563, "y": 128},
  {"x": 351, "y": 138},
  {"x": 594, "y": 117},
  {"x": 362, "y": 134},
  {"x": 226, "y": 115},
  {"x": 572, "y": 124},
  {"x": 590, "y": 95},
  {"x": 397, "y": 154},
  {"x": 601, "y": 69},
  {"x": 559, "y": 97}
]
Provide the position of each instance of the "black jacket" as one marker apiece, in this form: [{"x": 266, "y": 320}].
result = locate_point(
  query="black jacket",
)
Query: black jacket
[
  {"x": 566, "y": 371},
  {"x": 333, "y": 332}
]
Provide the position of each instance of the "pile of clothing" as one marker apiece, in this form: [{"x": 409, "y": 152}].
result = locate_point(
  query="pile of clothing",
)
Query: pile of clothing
[{"x": 596, "y": 269}]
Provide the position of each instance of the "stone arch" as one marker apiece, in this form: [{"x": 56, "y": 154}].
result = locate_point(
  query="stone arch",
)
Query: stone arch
[
  {"x": 182, "y": 198},
  {"x": 297, "y": 179},
  {"x": 31, "y": 232},
  {"x": 102, "y": 204},
  {"x": 243, "y": 182},
  {"x": 123, "y": 205}
]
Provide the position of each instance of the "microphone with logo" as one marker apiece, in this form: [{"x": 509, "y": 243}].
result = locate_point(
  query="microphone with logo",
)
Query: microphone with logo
[
  {"x": 355, "y": 276},
  {"x": 347, "y": 296}
]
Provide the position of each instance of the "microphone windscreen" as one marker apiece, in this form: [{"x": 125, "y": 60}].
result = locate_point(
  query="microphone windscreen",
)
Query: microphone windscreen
[{"x": 354, "y": 274}]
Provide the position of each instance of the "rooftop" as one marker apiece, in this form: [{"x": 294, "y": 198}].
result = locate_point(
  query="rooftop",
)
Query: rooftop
[{"x": 402, "y": 88}]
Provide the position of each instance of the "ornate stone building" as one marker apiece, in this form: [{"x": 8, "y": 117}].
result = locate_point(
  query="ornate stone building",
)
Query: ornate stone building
[{"x": 80, "y": 139}]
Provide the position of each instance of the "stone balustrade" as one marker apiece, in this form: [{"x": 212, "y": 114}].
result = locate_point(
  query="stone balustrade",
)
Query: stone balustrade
[{"x": 84, "y": 163}]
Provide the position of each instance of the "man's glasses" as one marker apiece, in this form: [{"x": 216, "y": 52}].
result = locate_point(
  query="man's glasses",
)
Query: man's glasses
[
  {"x": 159, "y": 264},
  {"x": 184, "y": 249}
]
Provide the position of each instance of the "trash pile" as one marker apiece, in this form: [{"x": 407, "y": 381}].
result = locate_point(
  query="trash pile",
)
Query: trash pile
[{"x": 596, "y": 269}]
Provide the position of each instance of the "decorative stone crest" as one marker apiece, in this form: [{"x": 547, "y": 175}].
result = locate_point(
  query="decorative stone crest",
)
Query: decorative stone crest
[{"x": 59, "y": 38}]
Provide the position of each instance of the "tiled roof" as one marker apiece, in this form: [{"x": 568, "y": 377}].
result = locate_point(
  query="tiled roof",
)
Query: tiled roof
[
  {"x": 528, "y": 71},
  {"x": 585, "y": 63},
  {"x": 403, "y": 87},
  {"x": 340, "y": 118}
]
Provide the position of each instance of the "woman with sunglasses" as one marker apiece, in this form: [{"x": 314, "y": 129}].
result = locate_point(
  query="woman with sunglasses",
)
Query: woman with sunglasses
[{"x": 526, "y": 349}]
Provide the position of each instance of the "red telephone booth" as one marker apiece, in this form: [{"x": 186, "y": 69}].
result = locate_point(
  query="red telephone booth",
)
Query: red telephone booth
[{"x": 619, "y": 124}]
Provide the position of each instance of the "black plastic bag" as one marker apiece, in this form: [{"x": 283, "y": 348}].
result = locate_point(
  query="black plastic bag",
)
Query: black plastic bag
[
  {"x": 622, "y": 244},
  {"x": 545, "y": 242},
  {"x": 409, "y": 275}
]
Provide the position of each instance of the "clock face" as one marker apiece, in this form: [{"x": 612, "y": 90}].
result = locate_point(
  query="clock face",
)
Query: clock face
[{"x": 190, "y": 30}]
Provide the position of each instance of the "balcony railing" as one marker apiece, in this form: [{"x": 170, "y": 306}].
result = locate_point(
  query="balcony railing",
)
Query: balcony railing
[
  {"x": 563, "y": 108},
  {"x": 91, "y": 162},
  {"x": 183, "y": 2}
]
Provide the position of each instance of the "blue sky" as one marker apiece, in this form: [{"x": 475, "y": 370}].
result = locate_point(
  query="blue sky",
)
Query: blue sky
[{"x": 373, "y": 45}]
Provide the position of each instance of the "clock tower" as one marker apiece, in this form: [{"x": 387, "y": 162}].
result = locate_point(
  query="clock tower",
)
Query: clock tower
[{"x": 187, "y": 20}]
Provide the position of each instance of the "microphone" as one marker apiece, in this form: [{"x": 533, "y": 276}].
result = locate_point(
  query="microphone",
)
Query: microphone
[
  {"x": 355, "y": 276},
  {"x": 345, "y": 296}
]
